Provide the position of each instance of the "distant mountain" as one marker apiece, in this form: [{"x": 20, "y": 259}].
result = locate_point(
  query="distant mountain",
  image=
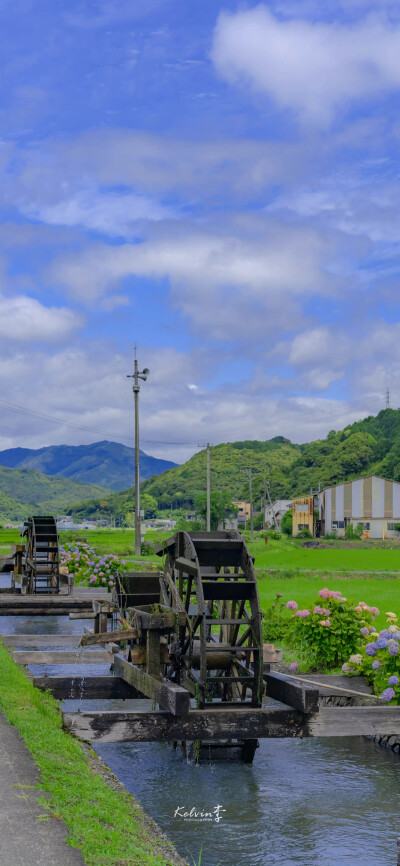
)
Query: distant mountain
[
  {"x": 108, "y": 464},
  {"x": 370, "y": 446},
  {"x": 26, "y": 491}
]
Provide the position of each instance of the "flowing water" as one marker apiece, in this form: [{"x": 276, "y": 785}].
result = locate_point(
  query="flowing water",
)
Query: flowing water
[{"x": 312, "y": 802}]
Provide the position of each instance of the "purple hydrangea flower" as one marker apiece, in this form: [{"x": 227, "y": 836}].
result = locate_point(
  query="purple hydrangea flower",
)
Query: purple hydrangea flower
[
  {"x": 364, "y": 631},
  {"x": 376, "y": 665},
  {"x": 393, "y": 648},
  {"x": 382, "y": 642},
  {"x": 396, "y": 635},
  {"x": 388, "y": 694},
  {"x": 393, "y": 681},
  {"x": 370, "y": 649},
  {"x": 385, "y": 633}
]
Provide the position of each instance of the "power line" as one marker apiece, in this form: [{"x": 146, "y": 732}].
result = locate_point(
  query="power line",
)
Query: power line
[{"x": 30, "y": 413}]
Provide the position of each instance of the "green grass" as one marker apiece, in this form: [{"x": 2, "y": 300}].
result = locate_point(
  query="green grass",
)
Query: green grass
[
  {"x": 108, "y": 826},
  {"x": 286, "y": 555},
  {"x": 383, "y": 592}
]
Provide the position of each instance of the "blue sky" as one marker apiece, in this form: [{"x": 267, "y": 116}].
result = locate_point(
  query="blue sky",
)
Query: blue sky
[{"x": 216, "y": 182}]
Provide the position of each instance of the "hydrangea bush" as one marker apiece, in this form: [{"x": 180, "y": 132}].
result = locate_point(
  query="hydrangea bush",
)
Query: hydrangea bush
[
  {"x": 88, "y": 567},
  {"x": 378, "y": 658},
  {"x": 330, "y": 630}
]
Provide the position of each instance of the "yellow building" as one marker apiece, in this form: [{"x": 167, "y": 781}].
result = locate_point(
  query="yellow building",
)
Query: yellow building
[
  {"x": 243, "y": 509},
  {"x": 303, "y": 514}
]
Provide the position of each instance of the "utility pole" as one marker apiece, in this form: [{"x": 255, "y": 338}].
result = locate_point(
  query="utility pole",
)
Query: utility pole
[
  {"x": 251, "y": 502},
  {"x": 208, "y": 490},
  {"x": 387, "y": 398},
  {"x": 271, "y": 506},
  {"x": 251, "y": 507},
  {"x": 136, "y": 388},
  {"x": 208, "y": 485}
]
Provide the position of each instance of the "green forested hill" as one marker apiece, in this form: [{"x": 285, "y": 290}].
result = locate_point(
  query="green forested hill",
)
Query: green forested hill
[
  {"x": 368, "y": 446},
  {"x": 26, "y": 491}
]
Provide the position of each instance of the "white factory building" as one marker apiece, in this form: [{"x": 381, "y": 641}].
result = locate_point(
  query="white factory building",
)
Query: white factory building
[
  {"x": 277, "y": 509},
  {"x": 372, "y": 502}
]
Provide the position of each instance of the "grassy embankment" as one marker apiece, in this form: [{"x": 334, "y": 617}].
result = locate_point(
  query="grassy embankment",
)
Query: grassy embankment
[{"x": 108, "y": 826}]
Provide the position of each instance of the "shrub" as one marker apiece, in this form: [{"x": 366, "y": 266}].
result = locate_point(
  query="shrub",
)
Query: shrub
[
  {"x": 304, "y": 533},
  {"x": 275, "y": 621},
  {"x": 88, "y": 567},
  {"x": 274, "y": 534},
  {"x": 378, "y": 659},
  {"x": 330, "y": 631},
  {"x": 353, "y": 531},
  {"x": 287, "y": 522}
]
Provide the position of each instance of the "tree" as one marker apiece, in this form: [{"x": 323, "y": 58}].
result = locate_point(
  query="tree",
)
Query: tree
[
  {"x": 220, "y": 507},
  {"x": 148, "y": 504},
  {"x": 287, "y": 522}
]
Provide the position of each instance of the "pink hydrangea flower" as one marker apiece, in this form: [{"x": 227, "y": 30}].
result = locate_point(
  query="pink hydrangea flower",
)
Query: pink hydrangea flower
[
  {"x": 103, "y": 579},
  {"x": 303, "y": 613},
  {"x": 335, "y": 594},
  {"x": 294, "y": 666},
  {"x": 374, "y": 611},
  {"x": 324, "y": 593},
  {"x": 292, "y": 605}
]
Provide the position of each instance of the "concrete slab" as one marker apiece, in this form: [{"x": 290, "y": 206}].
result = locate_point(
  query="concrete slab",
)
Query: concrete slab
[{"x": 24, "y": 839}]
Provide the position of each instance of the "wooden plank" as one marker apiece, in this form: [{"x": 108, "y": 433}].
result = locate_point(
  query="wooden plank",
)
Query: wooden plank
[
  {"x": 355, "y": 721},
  {"x": 89, "y": 657},
  {"x": 171, "y": 697},
  {"x": 186, "y": 565},
  {"x": 229, "y": 589},
  {"x": 301, "y": 697},
  {"x": 41, "y": 640},
  {"x": 334, "y": 681},
  {"x": 141, "y": 726},
  {"x": 106, "y": 688},
  {"x": 84, "y": 614},
  {"x": 66, "y": 602},
  {"x": 216, "y": 724},
  {"x": 41, "y": 611},
  {"x": 117, "y": 636},
  {"x": 165, "y": 620},
  {"x": 102, "y": 606}
]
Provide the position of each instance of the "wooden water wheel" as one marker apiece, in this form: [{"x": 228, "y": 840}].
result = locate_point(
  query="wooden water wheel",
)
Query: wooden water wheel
[
  {"x": 217, "y": 653},
  {"x": 41, "y": 567}
]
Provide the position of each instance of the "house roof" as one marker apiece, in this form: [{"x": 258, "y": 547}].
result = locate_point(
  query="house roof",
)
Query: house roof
[{"x": 360, "y": 478}]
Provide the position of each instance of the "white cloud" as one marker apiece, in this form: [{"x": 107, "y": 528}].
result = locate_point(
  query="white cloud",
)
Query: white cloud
[
  {"x": 326, "y": 354},
  {"x": 310, "y": 67},
  {"x": 88, "y": 387},
  {"x": 26, "y": 320},
  {"x": 73, "y": 182},
  {"x": 229, "y": 283},
  {"x": 112, "y": 214}
]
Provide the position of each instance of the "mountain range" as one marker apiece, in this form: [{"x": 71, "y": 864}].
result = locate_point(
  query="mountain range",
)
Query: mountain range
[
  {"x": 107, "y": 464},
  {"x": 365, "y": 447},
  {"x": 370, "y": 446},
  {"x": 26, "y": 491}
]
